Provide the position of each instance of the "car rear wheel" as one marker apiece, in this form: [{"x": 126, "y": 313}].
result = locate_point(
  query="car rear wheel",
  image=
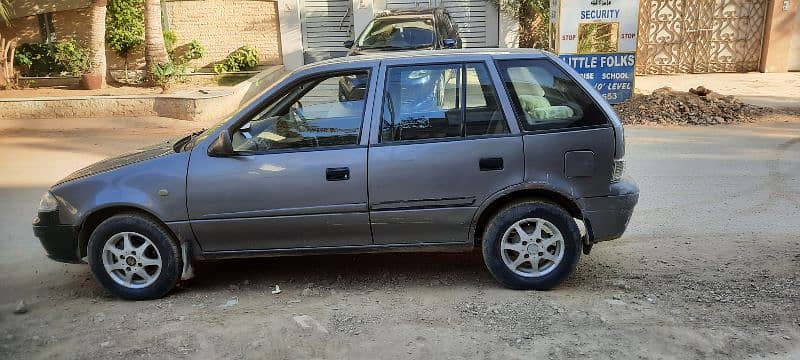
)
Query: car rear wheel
[
  {"x": 531, "y": 245},
  {"x": 134, "y": 257}
]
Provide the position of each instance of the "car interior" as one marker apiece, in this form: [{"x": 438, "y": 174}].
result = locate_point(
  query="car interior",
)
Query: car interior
[
  {"x": 542, "y": 97},
  {"x": 312, "y": 114},
  {"x": 425, "y": 104}
]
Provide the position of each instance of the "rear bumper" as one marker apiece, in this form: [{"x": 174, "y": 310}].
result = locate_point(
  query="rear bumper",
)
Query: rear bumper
[
  {"x": 607, "y": 216},
  {"x": 59, "y": 241}
]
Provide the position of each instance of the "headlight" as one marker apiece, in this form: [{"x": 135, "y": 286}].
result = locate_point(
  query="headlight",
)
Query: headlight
[
  {"x": 47, "y": 203},
  {"x": 619, "y": 169}
]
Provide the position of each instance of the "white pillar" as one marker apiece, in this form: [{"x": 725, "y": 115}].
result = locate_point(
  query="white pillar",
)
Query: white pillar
[
  {"x": 492, "y": 32},
  {"x": 508, "y": 31},
  {"x": 363, "y": 12},
  {"x": 291, "y": 34}
]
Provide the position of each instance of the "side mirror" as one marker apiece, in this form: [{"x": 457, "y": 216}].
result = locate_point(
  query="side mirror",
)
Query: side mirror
[
  {"x": 449, "y": 43},
  {"x": 349, "y": 43},
  {"x": 222, "y": 146}
]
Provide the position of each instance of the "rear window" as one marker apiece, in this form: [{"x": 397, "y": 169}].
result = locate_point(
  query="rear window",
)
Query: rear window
[
  {"x": 546, "y": 98},
  {"x": 397, "y": 33}
]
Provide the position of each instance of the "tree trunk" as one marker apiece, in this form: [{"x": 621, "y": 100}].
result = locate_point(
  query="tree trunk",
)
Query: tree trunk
[
  {"x": 97, "y": 41},
  {"x": 155, "y": 52}
]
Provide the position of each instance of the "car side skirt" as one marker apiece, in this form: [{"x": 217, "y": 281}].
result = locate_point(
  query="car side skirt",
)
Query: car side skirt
[{"x": 358, "y": 249}]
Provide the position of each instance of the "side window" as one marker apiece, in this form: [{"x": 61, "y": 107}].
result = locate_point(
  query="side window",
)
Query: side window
[
  {"x": 324, "y": 111},
  {"x": 421, "y": 102},
  {"x": 546, "y": 98},
  {"x": 483, "y": 115},
  {"x": 424, "y": 102}
]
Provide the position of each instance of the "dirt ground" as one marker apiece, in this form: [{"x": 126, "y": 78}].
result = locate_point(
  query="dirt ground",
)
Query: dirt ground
[{"x": 709, "y": 268}]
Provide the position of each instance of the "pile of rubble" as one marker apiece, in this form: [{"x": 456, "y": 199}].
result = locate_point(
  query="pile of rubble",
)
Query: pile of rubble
[{"x": 699, "y": 106}]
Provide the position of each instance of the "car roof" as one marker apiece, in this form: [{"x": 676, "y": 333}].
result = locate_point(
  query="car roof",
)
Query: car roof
[
  {"x": 429, "y": 54},
  {"x": 415, "y": 11}
]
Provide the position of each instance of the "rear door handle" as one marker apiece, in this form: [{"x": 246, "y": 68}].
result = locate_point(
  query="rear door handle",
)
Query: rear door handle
[
  {"x": 491, "y": 164},
  {"x": 337, "y": 174}
]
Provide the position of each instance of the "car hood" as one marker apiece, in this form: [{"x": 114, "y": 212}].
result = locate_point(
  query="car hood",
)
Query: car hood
[{"x": 147, "y": 153}]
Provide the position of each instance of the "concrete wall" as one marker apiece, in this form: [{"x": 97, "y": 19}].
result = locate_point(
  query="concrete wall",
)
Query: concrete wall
[
  {"x": 794, "y": 49},
  {"x": 223, "y": 26},
  {"x": 778, "y": 31}
]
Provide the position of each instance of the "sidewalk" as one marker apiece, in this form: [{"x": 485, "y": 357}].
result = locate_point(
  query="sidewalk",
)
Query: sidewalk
[{"x": 778, "y": 90}]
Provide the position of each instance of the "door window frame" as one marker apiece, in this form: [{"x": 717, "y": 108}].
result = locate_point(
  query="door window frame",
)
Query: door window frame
[
  {"x": 283, "y": 89},
  {"x": 504, "y": 103}
]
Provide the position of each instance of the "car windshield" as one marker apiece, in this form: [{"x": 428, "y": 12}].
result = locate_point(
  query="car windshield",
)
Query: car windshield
[{"x": 397, "y": 33}]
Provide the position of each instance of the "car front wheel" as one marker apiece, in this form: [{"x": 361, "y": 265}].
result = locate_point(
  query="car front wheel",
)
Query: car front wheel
[
  {"x": 134, "y": 257},
  {"x": 531, "y": 245}
]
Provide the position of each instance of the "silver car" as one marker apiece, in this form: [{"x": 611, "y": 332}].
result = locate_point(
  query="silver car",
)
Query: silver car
[{"x": 506, "y": 150}]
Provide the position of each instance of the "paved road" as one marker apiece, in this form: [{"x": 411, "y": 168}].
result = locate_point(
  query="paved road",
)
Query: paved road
[{"x": 708, "y": 269}]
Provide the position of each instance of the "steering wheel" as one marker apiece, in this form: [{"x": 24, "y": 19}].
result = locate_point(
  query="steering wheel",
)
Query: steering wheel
[{"x": 296, "y": 114}]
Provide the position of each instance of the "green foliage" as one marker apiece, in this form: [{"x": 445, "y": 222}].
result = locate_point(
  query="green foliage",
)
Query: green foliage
[
  {"x": 48, "y": 59},
  {"x": 164, "y": 74},
  {"x": 6, "y": 11},
  {"x": 170, "y": 39},
  {"x": 244, "y": 58},
  {"x": 73, "y": 57},
  {"x": 195, "y": 51},
  {"x": 185, "y": 53},
  {"x": 124, "y": 25},
  {"x": 534, "y": 20},
  {"x": 37, "y": 59}
]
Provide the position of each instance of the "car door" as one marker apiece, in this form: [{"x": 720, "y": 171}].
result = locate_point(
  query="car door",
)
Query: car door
[
  {"x": 434, "y": 157},
  {"x": 298, "y": 178}
]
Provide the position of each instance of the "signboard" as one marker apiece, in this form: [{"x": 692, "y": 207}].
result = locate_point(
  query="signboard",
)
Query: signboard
[{"x": 598, "y": 39}]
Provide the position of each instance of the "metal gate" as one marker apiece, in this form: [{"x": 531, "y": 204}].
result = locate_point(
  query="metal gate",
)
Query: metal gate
[
  {"x": 326, "y": 25},
  {"x": 699, "y": 36}
]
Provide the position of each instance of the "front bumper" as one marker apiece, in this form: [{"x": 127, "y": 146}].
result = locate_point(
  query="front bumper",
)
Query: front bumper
[
  {"x": 59, "y": 241},
  {"x": 607, "y": 217}
]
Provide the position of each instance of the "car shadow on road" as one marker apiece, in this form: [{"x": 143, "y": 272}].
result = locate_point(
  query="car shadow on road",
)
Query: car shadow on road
[{"x": 345, "y": 272}]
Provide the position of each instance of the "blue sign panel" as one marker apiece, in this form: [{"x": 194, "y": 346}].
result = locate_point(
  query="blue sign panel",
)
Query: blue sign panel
[{"x": 610, "y": 74}]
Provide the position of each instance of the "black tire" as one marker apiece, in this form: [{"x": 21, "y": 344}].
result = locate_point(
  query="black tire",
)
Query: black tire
[
  {"x": 162, "y": 240},
  {"x": 507, "y": 217}
]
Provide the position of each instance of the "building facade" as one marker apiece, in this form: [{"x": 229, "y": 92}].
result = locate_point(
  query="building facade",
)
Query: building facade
[
  {"x": 675, "y": 36},
  {"x": 702, "y": 36}
]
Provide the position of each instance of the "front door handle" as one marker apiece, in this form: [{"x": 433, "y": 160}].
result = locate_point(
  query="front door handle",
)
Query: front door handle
[
  {"x": 491, "y": 164},
  {"x": 337, "y": 174}
]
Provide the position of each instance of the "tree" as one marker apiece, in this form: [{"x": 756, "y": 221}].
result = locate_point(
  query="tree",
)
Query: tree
[
  {"x": 125, "y": 27},
  {"x": 7, "y": 48},
  {"x": 155, "y": 52},
  {"x": 533, "y": 17},
  {"x": 6, "y": 11},
  {"x": 97, "y": 42}
]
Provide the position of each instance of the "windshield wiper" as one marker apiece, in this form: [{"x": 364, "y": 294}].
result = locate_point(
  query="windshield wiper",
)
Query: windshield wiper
[{"x": 187, "y": 142}]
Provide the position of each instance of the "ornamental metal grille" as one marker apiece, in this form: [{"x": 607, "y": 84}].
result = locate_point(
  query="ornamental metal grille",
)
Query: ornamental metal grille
[{"x": 699, "y": 36}]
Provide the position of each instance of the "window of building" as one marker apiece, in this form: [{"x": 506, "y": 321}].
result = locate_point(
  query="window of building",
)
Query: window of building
[{"x": 46, "y": 29}]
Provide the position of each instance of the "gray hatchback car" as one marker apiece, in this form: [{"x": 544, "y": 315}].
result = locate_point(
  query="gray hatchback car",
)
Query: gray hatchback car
[{"x": 505, "y": 150}]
